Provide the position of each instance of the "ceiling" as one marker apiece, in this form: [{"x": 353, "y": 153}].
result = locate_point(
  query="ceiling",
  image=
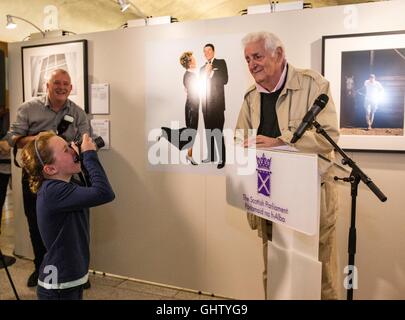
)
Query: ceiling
[{"x": 84, "y": 16}]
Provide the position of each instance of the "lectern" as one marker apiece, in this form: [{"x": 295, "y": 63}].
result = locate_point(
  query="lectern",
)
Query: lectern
[{"x": 284, "y": 187}]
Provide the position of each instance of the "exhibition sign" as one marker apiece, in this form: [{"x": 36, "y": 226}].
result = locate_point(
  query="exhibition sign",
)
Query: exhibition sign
[{"x": 283, "y": 188}]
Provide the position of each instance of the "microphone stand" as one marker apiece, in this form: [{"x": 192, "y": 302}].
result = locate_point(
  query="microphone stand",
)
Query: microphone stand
[
  {"x": 6, "y": 261},
  {"x": 355, "y": 177}
]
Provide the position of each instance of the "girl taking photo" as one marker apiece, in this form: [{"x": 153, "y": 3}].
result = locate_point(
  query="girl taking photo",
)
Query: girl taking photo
[{"x": 63, "y": 210}]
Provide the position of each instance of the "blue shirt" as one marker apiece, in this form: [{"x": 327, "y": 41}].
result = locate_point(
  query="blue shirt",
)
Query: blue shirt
[{"x": 63, "y": 221}]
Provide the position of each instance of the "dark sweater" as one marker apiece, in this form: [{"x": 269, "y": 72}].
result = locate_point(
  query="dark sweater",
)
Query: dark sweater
[
  {"x": 268, "y": 116},
  {"x": 63, "y": 220}
]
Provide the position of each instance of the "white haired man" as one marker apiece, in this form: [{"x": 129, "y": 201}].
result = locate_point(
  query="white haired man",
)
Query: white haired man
[{"x": 275, "y": 105}]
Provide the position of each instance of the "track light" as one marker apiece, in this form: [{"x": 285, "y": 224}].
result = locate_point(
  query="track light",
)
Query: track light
[
  {"x": 123, "y": 4},
  {"x": 12, "y": 25}
]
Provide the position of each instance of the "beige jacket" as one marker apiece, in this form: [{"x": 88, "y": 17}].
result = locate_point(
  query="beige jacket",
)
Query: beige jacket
[{"x": 301, "y": 89}]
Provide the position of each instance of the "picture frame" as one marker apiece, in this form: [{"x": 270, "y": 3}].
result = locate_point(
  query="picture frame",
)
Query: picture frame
[
  {"x": 366, "y": 72},
  {"x": 38, "y": 61}
]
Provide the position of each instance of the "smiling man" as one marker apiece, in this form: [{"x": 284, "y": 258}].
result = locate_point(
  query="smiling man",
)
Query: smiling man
[
  {"x": 275, "y": 106},
  {"x": 35, "y": 116}
]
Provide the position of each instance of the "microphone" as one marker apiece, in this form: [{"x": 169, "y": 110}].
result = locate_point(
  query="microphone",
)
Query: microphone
[{"x": 317, "y": 107}]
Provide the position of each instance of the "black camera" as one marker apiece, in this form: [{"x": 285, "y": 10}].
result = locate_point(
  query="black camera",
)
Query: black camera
[
  {"x": 98, "y": 141},
  {"x": 64, "y": 124}
]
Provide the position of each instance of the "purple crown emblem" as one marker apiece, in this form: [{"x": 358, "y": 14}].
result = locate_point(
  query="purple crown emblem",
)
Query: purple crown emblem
[
  {"x": 263, "y": 162},
  {"x": 263, "y": 175}
]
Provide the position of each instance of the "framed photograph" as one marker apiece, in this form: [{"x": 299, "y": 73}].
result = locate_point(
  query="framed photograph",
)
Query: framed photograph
[
  {"x": 39, "y": 61},
  {"x": 367, "y": 77}
]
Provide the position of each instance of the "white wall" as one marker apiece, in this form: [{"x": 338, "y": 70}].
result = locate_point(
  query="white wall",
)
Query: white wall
[{"x": 176, "y": 228}]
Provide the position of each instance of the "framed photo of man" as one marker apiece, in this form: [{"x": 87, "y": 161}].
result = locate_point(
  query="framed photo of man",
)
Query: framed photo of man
[
  {"x": 39, "y": 61},
  {"x": 367, "y": 77}
]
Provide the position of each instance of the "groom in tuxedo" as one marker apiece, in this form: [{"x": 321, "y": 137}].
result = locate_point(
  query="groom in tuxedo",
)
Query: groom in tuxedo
[{"x": 215, "y": 75}]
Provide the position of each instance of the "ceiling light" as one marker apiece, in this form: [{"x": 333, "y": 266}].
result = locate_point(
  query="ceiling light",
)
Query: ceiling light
[
  {"x": 12, "y": 25},
  {"x": 123, "y": 4}
]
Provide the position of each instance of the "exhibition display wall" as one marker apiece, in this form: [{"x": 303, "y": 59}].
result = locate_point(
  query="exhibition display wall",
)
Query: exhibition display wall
[{"x": 174, "y": 227}]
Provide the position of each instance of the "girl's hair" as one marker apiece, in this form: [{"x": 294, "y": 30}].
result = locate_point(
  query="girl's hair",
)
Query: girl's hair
[
  {"x": 185, "y": 59},
  {"x": 35, "y": 155}
]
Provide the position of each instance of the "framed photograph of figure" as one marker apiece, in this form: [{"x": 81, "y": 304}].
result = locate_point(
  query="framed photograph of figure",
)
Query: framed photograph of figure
[
  {"x": 367, "y": 77},
  {"x": 39, "y": 61}
]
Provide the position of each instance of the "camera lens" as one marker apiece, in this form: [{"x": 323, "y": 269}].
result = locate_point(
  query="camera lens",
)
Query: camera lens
[{"x": 98, "y": 141}]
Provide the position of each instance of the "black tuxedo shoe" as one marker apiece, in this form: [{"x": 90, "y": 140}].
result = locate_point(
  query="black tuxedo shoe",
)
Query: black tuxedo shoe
[
  {"x": 207, "y": 161},
  {"x": 220, "y": 165}
]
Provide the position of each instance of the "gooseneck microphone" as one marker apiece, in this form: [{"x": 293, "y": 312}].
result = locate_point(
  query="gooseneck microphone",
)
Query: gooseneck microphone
[{"x": 317, "y": 107}]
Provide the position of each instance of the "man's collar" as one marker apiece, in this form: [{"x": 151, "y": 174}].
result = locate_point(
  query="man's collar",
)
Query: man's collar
[
  {"x": 292, "y": 81},
  {"x": 279, "y": 83},
  {"x": 47, "y": 103}
]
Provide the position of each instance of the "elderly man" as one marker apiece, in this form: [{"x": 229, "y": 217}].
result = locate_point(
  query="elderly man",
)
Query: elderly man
[
  {"x": 43, "y": 114},
  {"x": 275, "y": 105}
]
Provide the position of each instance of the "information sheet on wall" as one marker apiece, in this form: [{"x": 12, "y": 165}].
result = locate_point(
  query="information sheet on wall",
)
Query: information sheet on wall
[
  {"x": 100, "y": 102},
  {"x": 101, "y": 127}
]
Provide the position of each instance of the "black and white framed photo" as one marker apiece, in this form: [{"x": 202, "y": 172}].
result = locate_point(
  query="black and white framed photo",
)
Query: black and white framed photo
[
  {"x": 39, "y": 61},
  {"x": 367, "y": 77}
]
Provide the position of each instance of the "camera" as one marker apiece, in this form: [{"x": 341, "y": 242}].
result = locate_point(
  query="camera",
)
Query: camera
[
  {"x": 64, "y": 124},
  {"x": 98, "y": 141}
]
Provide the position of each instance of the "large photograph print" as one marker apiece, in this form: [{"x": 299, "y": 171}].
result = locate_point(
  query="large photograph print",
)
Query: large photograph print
[
  {"x": 367, "y": 76},
  {"x": 192, "y": 110},
  {"x": 39, "y": 62}
]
